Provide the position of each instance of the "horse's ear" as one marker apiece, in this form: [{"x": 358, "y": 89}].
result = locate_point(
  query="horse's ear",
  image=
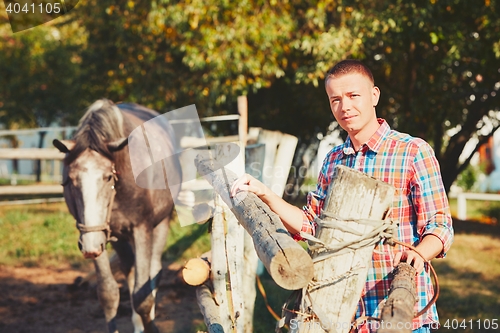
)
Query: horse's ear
[
  {"x": 64, "y": 146},
  {"x": 118, "y": 144}
]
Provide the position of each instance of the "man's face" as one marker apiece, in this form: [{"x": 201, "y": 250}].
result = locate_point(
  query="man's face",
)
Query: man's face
[{"x": 353, "y": 99}]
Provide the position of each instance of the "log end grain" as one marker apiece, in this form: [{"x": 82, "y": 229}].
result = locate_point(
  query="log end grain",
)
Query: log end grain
[
  {"x": 195, "y": 272},
  {"x": 291, "y": 268}
]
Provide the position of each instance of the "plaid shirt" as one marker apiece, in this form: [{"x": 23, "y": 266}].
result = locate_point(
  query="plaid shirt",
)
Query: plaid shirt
[{"x": 420, "y": 205}]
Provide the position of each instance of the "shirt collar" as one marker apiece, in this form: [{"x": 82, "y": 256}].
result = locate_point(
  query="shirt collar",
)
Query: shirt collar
[{"x": 374, "y": 142}]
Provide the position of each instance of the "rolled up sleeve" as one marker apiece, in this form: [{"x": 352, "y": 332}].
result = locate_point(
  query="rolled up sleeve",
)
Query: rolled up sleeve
[{"x": 430, "y": 200}]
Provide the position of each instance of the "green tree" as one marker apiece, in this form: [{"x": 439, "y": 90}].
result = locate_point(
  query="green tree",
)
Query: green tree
[
  {"x": 437, "y": 63},
  {"x": 39, "y": 69}
]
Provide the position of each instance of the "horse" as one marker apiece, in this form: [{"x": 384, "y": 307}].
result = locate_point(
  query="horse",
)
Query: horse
[{"x": 109, "y": 206}]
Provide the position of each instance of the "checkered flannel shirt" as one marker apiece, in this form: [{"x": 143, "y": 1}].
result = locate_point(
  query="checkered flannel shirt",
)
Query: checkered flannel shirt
[{"x": 420, "y": 205}]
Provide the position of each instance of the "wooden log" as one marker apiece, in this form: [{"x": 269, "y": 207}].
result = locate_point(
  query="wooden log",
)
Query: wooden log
[
  {"x": 286, "y": 261},
  {"x": 196, "y": 271},
  {"x": 397, "y": 314},
  {"x": 209, "y": 309},
  {"x": 339, "y": 280}
]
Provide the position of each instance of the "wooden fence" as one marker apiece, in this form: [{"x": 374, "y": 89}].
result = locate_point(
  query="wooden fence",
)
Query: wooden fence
[{"x": 463, "y": 197}]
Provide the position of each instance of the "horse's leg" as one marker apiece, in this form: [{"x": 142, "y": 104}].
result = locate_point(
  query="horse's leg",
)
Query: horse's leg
[
  {"x": 160, "y": 233},
  {"x": 142, "y": 297},
  {"x": 126, "y": 254},
  {"x": 107, "y": 290}
]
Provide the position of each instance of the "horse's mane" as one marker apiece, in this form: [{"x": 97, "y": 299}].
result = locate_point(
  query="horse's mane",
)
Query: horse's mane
[{"x": 101, "y": 124}]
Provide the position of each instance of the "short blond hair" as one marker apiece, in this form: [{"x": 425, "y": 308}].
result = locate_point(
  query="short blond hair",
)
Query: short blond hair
[{"x": 349, "y": 66}]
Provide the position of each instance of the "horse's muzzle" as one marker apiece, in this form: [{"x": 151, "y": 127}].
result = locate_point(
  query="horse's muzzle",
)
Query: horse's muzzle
[{"x": 92, "y": 244}]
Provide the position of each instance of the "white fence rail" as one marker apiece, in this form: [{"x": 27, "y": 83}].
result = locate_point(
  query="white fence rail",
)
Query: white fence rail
[{"x": 463, "y": 197}]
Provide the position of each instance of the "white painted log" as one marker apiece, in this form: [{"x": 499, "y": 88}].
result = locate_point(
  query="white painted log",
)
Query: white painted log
[
  {"x": 272, "y": 140},
  {"x": 283, "y": 162},
  {"x": 234, "y": 242},
  {"x": 285, "y": 260},
  {"x": 352, "y": 195},
  {"x": 209, "y": 309},
  {"x": 219, "y": 267}
]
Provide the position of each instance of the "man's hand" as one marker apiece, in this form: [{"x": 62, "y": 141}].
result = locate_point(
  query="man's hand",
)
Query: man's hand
[
  {"x": 250, "y": 184},
  {"x": 412, "y": 258},
  {"x": 429, "y": 247}
]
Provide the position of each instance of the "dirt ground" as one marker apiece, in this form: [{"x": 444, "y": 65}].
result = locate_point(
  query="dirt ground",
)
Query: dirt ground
[{"x": 44, "y": 300}]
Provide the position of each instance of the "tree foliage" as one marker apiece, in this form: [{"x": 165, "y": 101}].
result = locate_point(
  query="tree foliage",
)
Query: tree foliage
[
  {"x": 436, "y": 62},
  {"x": 438, "y": 68},
  {"x": 38, "y": 71}
]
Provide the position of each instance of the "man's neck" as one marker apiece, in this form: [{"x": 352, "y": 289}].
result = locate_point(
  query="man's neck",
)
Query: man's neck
[{"x": 360, "y": 138}]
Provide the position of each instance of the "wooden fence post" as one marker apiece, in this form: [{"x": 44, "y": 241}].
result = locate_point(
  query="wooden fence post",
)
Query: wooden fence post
[{"x": 330, "y": 301}]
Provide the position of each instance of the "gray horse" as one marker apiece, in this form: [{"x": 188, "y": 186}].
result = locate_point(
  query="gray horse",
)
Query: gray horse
[{"x": 107, "y": 204}]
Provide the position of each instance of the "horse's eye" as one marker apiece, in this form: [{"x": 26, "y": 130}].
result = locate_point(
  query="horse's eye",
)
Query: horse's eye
[{"x": 108, "y": 178}]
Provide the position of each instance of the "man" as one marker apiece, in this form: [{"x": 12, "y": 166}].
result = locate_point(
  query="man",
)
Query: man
[{"x": 408, "y": 163}]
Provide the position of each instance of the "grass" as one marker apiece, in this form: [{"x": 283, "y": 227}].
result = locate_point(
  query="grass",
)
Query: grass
[
  {"x": 45, "y": 235},
  {"x": 469, "y": 277},
  {"x": 41, "y": 235}
]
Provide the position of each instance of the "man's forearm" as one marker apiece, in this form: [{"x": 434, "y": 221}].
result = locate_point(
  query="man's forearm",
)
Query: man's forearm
[
  {"x": 430, "y": 247},
  {"x": 290, "y": 215}
]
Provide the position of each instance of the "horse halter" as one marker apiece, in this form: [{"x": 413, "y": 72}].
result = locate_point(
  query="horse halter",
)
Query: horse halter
[{"x": 103, "y": 227}]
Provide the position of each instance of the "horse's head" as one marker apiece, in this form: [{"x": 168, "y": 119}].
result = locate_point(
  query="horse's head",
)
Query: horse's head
[{"x": 89, "y": 188}]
